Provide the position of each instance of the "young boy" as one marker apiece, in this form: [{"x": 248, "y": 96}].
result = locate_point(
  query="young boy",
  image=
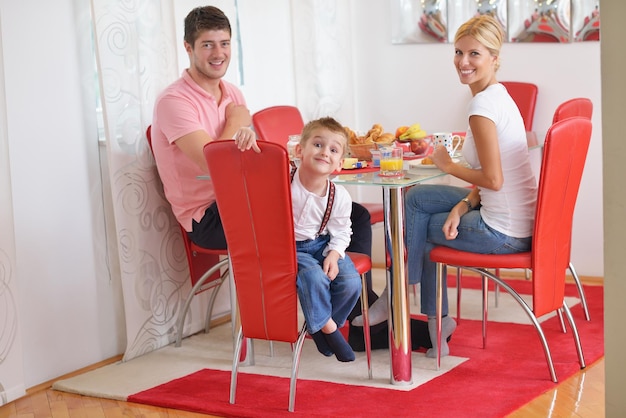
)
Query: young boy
[{"x": 328, "y": 283}]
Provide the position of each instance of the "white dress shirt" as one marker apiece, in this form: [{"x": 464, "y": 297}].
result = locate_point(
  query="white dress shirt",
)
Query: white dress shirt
[{"x": 309, "y": 210}]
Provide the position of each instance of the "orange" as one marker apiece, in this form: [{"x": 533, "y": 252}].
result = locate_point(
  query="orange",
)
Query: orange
[{"x": 401, "y": 130}]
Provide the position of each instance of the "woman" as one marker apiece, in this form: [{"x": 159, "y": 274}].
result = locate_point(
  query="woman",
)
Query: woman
[{"x": 497, "y": 215}]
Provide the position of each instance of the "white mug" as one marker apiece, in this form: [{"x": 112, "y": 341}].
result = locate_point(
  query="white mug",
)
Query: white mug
[{"x": 447, "y": 139}]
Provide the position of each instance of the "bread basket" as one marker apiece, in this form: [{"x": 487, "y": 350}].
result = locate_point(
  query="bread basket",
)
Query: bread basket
[{"x": 362, "y": 151}]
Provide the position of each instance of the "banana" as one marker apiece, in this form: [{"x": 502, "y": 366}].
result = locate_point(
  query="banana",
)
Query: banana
[{"x": 415, "y": 131}]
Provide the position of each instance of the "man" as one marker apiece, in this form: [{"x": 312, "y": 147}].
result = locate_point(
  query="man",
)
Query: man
[
  {"x": 201, "y": 107},
  {"x": 198, "y": 108}
]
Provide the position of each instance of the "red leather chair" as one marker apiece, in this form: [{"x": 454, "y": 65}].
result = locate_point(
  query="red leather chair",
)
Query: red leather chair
[
  {"x": 258, "y": 223},
  {"x": 579, "y": 106},
  {"x": 564, "y": 155},
  {"x": 204, "y": 272},
  {"x": 276, "y": 123},
  {"x": 525, "y": 97}
]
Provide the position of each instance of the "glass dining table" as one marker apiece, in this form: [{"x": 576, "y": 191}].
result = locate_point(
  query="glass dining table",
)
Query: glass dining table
[{"x": 393, "y": 189}]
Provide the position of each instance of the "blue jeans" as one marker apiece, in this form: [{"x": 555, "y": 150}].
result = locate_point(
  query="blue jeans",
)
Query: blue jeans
[
  {"x": 426, "y": 210},
  {"x": 320, "y": 297}
]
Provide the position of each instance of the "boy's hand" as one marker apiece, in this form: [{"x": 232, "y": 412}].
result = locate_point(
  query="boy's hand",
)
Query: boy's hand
[{"x": 330, "y": 265}]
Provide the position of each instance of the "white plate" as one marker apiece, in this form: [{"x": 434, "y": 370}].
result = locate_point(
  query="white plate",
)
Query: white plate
[{"x": 417, "y": 164}]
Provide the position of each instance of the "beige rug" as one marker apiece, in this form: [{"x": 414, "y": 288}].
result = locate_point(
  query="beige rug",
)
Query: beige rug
[{"x": 215, "y": 350}]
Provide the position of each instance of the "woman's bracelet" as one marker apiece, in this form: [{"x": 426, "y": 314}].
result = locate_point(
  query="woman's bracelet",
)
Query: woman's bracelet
[{"x": 468, "y": 203}]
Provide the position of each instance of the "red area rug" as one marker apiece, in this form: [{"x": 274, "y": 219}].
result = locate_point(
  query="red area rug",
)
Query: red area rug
[{"x": 495, "y": 381}]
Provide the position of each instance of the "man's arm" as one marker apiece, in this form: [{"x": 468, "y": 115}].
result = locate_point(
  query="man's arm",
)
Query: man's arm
[{"x": 238, "y": 120}]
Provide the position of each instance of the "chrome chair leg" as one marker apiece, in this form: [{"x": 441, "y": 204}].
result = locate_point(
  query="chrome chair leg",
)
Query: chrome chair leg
[
  {"x": 581, "y": 292},
  {"x": 366, "y": 324},
  {"x": 214, "y": 291},
  {"x": 529, "y": 313},
  {"x": 441, "y": 271},
  {"x": 572, "y": 324},
  {"x": 561, "y": 322},
  {"x": 180, "y": 322},
  {"x": 496, "y": 290},
  {"x": 295, "y": 363},
  {"x": 485, "y": 287},
  {"x": 458, "y": 295},
  {"x": 235, "y": 366}
]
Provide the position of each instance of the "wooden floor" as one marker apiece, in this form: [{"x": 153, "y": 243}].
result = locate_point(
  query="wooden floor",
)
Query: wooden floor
[{"x": 582, "y": 395}]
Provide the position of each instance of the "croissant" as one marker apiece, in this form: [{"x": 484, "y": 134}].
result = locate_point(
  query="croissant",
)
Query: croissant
[
  {"x": 373, "y": 134},
  {"x": 386, "y": 138},
  {"x": 352, "y": 138}
]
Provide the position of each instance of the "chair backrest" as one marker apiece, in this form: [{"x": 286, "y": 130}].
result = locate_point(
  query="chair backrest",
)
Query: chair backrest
[
  {"x": 253, "y": 194},
  {"x": 580, "y": 106},
  {"x": 525, "y": 97},
  {"x": 564, "y": 154},
  {"x": 275, "y": 124}
]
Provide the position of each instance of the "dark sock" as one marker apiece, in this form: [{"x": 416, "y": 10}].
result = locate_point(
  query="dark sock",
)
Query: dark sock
[
  {"x": 379, "y": 334},
  {"x": 322, "y": 345},
  {"x": 340, "y": 346}
]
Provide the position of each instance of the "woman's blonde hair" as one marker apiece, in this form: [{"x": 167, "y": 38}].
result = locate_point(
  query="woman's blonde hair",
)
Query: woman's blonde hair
[{"x": 486, "y": 30}]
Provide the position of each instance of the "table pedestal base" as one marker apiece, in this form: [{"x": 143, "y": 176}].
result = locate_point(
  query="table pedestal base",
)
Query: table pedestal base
[{"x": 397, "y": 282}]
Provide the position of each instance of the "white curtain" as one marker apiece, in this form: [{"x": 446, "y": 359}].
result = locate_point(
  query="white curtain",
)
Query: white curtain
[
  {"x": 322, "y": 36},
  {"x": 136, "y": 58},
  {"x": 11, "y": 371},
  {"x": 136, "y": 54}
]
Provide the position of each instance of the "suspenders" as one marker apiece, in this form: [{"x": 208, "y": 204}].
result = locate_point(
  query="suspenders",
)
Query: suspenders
[{"x": 329, "y": 203}]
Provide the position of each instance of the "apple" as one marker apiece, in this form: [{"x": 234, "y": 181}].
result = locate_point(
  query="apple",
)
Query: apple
[{"x": 419, "y": 146}]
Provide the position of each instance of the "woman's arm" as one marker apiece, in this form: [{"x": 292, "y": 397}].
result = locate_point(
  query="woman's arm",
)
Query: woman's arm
[
  {"x": 451, "y": 224},
  {"x": 490, "y": 175}
]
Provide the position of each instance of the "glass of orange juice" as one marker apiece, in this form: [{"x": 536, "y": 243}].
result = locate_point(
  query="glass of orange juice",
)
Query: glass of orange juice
[{"x": 391, "y": 162}]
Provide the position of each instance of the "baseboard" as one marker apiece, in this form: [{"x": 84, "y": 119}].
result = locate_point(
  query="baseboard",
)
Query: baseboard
[{"x": 48, "y": 384}]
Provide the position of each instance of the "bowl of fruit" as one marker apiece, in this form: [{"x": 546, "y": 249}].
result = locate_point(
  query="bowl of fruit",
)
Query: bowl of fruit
[{"x": 415, "y": 139}]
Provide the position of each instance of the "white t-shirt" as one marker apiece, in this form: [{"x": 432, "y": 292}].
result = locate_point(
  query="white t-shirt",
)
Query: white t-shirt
[
  {"x": 309, "y": 210},
  {"x": 510, "y": 210}
]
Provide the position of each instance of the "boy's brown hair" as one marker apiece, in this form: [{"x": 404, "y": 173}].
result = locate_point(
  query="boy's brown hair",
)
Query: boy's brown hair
[{"x": 325, "y": 123}]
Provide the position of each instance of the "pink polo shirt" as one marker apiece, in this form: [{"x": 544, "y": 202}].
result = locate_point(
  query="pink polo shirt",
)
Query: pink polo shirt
[{"x": 183, "y": 108}]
